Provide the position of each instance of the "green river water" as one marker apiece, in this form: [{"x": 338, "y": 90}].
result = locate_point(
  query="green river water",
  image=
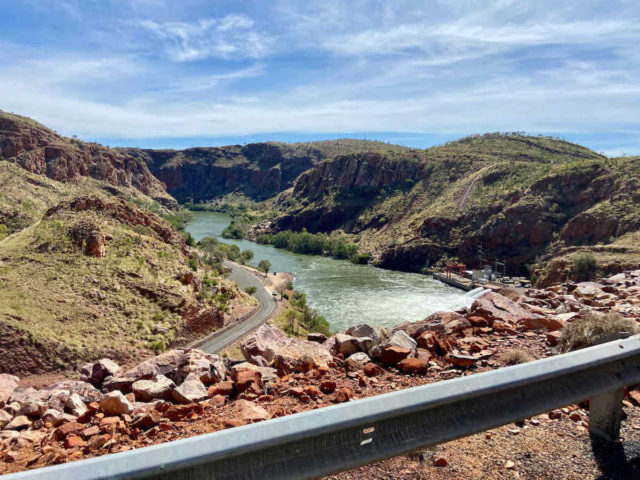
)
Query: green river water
[{"x": 344, "y": 293}]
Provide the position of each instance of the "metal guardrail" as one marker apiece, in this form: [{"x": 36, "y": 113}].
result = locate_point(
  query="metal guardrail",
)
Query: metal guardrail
[{"x": 336, "y": 438}]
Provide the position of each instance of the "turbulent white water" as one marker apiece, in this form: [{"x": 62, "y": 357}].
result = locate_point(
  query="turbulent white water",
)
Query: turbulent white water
[{"x": 344, "y": 293}]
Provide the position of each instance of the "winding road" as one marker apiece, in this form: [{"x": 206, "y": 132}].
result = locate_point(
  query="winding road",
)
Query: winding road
[{"x": 268, "y": 304}]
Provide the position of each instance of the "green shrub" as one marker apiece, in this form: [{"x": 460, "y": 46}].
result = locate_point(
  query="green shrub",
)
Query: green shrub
[
  {"x": 4, "y": 232},
  {"x": 313, "y": 244},
  {"x": 264, "y": 265},
  {"x": 585, "y": 266},
  {"x": 158, "y": 346},
  {"x": 193, "y": 264},
  {"x": 250, "y": 290},
  {"x": 235, "y": 230}
]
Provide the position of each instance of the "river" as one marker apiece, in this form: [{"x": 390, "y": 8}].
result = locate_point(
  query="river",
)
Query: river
[{"x": 344, "y": 293}]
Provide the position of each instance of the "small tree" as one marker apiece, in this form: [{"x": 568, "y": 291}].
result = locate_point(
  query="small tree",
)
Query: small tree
[
  {"x": 250, "y": 290},
  {"x": 264, "y": 266},
  {"x": 585, "y": 266}
]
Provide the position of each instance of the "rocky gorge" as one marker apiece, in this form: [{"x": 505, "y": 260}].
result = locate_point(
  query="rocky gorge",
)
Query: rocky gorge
[{"x": 188, "y": 392}]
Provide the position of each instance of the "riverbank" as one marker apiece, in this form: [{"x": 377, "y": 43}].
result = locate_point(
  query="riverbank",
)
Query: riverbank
[{"x": 342, "y": 292}]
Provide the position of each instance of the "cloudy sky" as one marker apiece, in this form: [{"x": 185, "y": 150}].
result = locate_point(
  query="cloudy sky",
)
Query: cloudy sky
[{"x": 157, "y": 73}]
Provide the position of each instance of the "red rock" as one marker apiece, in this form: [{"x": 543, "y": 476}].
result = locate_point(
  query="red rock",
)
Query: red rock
[
  {"x": 392, "y": 355},
  {"x": 555, "y": 414},
  {"x": 313, "y": 391},
  {"x": 98, "y": 441},
  {"x": 372, "y": 370},
  {"x": 412, "y": 365},
  {"x": 576, "y": 417},
  {"x": 464, "y": 361},
  {"x": 73, "y": 441},
  {"x": 344, "y": 394},
  {"x": 553, "y": 338},
  {"x": 249, "y": 412},
  {"x": 492, "y": 306},
  {"x": 90, "y": 432},
  {"x": 477, "y": 321},
  {"x": 328, "y": 386},
  {"x": 66, "y": 429},
  {"x": 440, "y": 461},
  {"x": 248, "y": 380},
  {"x": 109, "y": 421},
  {"x": 223, "y": 388},
  {"x": 146, "y": 421}
]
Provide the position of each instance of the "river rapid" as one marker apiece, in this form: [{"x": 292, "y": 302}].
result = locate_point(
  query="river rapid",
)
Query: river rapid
[{"x": 344, "y": 293}]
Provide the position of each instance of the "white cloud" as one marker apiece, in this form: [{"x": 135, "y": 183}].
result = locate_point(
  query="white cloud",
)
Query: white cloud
[{"x": 230, "y": 37}]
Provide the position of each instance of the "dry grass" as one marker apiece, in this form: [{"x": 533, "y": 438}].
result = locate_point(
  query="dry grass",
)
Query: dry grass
[
  {"x": 593, "y": 329},
  {"x": 516, "y": 356}
]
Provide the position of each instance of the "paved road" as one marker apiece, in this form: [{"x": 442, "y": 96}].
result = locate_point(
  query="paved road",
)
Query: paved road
[{"x": 267, "y": 306}]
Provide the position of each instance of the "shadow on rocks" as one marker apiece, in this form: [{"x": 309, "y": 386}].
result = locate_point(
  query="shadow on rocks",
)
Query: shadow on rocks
[{"x": 616, "y": 460}]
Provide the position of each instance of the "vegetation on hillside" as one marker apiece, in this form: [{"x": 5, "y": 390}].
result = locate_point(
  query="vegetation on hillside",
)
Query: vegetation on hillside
[
  {"x": 314, "y": 244},
  {"x": 298, "y": 319}
]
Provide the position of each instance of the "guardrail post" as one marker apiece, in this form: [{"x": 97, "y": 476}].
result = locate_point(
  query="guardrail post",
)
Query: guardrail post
[{"x": 605, "y": 414}]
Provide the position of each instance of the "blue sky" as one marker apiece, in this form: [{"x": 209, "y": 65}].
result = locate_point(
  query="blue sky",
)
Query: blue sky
[{"x": 154, "y": 73}]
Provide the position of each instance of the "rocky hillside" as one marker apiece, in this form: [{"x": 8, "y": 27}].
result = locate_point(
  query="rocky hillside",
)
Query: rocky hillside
[
  {"x": 100, "y": 276},
  {"x": 40, "y": 150},
  {"x": 257, "y": 170},
  {"x": 524, "y": 199},
  {"x": 183, "y": 393}
]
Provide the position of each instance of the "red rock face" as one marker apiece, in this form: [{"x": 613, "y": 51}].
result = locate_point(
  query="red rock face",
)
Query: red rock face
[{"x": 40, "y": 150}]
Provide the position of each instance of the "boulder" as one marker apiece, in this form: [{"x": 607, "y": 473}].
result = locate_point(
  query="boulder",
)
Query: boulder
[
  {"x": 8, "y": 383},
  {"x": 87, "y": 392},
  {"x": 453, "y": 322},
  {"x": 75, "y": 405},
  {"x": 317, "y": 337},
  {"x": 392, "y": 355},
  {"x": 102, "y": 369},
  {"x": 266, "y": 337},
  {"x": 376, "y": 333},
  {"x": 53, "y": 416},
  {"x": 33, "y": 409},
  {"x": 344, "y": 344},
  {"x": 148, "y": 390},
  {"x": 293, "y": 349},
  {"x": 415, "y": 329},
  {"x": 249, "y": 412},
  {"x": 18, "y": 423},
  {"x": 58, "y": 400},
  {"x": 494, "y": 307},
  {"x": 358, "y": 359},
  {"x": 248, "y": 380},
  {"x": 398, "y": 339},
  {"x": 207, "y": 367},
  {"x": 267, "y": 374},
  {"x": 192, "y": 390},
  {"x": 5, "y": 418},
  {"x": 550, "y": 323},
  {"x": 115, "y": 403},
  {"x": 510, "y": 293},
  {"x": 305, "y": 364}
]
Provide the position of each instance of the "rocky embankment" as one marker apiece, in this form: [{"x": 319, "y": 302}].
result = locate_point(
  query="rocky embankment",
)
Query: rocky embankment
[{"x": 182, "y": 393}]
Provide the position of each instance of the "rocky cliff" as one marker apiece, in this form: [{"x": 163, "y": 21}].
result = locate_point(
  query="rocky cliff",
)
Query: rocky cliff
[
  {"x": 257, "y": 170},
  {"x": 521, "y": 199},
  {"x": 40, "y": 150}
]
